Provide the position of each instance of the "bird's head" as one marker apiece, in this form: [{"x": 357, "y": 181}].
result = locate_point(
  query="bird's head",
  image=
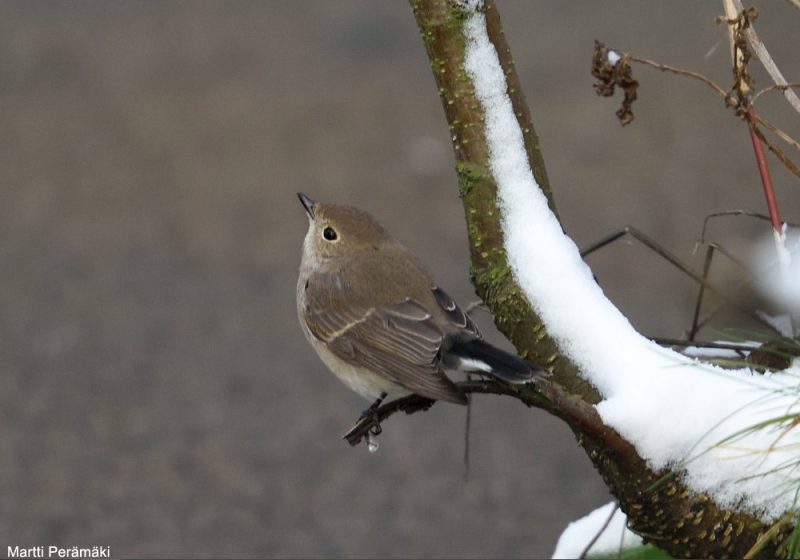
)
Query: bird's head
[{"x": 338, "y": 232}]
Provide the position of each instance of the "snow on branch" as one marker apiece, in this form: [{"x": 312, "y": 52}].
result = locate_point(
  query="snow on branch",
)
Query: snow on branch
[{"x": 677, "y": 412}]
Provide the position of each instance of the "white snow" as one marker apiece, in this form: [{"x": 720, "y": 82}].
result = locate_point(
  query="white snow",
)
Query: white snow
[
  {"x": 614, "y": 538},
  {"x": 711, "y": 353},
  {"x": 671, "y": 407},
  {"x": 776, "y": 266},
  {"x": 781, "y": 323}
]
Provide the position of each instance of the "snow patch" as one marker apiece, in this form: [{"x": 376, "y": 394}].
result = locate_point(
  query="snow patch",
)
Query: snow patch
[
  {"x": 614, "y": 538},
  {"x": 670, "y": 407}
]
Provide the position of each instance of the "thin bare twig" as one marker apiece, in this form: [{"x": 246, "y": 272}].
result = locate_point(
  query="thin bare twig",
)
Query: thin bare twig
[
  {"x": 739, "y": 56},
  {"x": 766, "y": 177},
  {"x": 740, "y": 33},
  {"x": 794, "y": 3},
  {"x": 600, "y": 532},
  {"x": 702, "y": 290},
  {"x": 678, "y": 343},
  {"x": 766, "y": 60},
  {"x": 676, "y": 262},
  {"x": 778, "y": 152},
  {"x": 778, "y": 132},
  {"x": 740, "y": 27},
  {"x": 732, "y": 101},
  {"x": 726, "y": 213},
  {"x": 667, "y": 68},
  {"x": 774, "y": 87}
]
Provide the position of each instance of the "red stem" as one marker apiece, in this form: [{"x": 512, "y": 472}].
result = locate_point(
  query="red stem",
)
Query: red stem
[{"x": 763, "y": 168}]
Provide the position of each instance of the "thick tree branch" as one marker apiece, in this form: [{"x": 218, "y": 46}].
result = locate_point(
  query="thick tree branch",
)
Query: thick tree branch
[
  {"x": 660, "y": 509},
  {"x": 440, "y": 23},
  {"x": 543, "y": 394}
]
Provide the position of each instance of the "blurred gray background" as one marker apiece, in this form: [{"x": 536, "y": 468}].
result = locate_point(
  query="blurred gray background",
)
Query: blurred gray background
[{"x": 157, "y": 394}]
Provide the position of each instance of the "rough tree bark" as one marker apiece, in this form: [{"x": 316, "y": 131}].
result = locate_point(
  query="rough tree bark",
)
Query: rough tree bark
[{"x": 666, "y": 514}]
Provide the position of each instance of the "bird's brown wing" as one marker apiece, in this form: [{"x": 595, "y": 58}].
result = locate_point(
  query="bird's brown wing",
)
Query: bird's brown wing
[
  {"x": 400, "y": 341},
  {"x": 455, "y": 315}
]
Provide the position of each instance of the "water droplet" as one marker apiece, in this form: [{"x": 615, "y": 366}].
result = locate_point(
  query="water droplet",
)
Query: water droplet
[{"x": 372, "y": 443}]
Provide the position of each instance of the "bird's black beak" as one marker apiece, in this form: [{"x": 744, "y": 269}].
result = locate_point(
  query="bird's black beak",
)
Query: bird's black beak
[{"x": 307, "y": 203}]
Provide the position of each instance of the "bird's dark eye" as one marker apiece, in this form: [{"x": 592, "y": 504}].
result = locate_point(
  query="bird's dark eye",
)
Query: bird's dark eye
[{"x": 329, "y": 234}]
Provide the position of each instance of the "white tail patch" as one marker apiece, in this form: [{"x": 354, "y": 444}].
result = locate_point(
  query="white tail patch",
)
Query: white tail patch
[{"x": 468, "y": 364}]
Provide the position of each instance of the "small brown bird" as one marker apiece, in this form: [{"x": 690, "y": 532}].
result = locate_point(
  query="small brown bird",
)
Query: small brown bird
[{"x": 378, "y": 320}]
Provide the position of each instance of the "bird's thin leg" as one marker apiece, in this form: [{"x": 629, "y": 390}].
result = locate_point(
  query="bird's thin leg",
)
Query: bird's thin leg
[{"x": 371, "y": 412}]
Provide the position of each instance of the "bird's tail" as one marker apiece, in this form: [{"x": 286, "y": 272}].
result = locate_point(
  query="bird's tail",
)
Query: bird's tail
[{"x": 478, "y": 356}]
